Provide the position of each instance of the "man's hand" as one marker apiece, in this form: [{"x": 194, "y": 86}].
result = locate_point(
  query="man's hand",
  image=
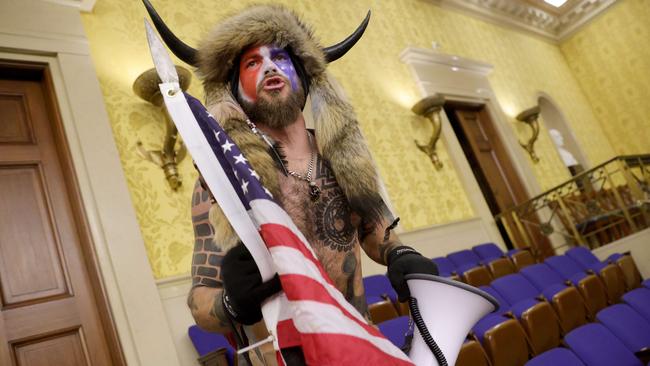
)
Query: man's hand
[
  {"x": 405, "y": 260},
  {"x": 244, "y": 290}
]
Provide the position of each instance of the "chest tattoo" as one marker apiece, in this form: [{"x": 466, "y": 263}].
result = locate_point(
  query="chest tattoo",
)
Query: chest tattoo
[{"x": 334, "y": 226}]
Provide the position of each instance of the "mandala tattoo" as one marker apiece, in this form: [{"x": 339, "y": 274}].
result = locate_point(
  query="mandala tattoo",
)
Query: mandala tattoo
[{"x": 334, "y": 227}]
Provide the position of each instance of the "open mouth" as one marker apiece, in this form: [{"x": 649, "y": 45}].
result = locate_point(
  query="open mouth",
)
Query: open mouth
[{"x": 273, "y": 83}]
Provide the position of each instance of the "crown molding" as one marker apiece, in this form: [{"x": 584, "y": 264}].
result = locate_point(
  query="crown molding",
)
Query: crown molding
[
  {"x": 85, "y": 6},
  {"x": 525, "y": 16}
]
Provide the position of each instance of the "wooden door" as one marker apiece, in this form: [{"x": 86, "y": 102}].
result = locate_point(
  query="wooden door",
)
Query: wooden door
[
  {"x": 492, "y": 167},
  {"x": 50, "y": 313}
]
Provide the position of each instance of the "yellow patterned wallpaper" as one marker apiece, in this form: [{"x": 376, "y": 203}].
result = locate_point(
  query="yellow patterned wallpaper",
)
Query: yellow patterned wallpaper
[
  {"x": 379, "y": 85},
  {"x": 611, "y": 60}
]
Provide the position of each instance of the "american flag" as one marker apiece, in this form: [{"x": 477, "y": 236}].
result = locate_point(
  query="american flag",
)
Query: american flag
[{"x": 315, "y": 315}]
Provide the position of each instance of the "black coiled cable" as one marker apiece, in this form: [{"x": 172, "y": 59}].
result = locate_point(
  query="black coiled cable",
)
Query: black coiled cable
[{"x": 428, "y": 339}]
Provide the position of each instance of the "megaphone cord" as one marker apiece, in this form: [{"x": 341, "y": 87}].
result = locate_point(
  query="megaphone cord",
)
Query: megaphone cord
[{"x": 428, "y": 339}]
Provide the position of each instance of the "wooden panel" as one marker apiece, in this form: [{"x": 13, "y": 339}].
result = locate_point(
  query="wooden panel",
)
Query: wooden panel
[
  {"x": 65, "y": 349},
  {"x": 43, "y": 318},
  {"x": 15, "y": 126},
  {"x": 30, "y": 264}
]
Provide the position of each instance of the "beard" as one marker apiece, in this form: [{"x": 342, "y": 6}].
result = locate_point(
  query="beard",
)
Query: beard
[{"x": 272, "y": 109}]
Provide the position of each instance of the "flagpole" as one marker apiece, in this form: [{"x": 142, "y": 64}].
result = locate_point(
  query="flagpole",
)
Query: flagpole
[{"x": 215, "y": 177}]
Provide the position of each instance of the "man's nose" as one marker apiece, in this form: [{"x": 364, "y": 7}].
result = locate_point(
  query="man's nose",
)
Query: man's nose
[{"x": 270, "y": 68}]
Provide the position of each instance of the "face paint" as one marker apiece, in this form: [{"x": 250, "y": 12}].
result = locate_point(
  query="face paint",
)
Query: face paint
[{"x": 259, "y": 62}]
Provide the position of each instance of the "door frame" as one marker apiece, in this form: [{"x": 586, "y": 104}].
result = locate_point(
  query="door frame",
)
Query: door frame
[
  {"x": 465, "y": 81},
  {"x": 113, "y": 232},
  {"x": 71, "y": 186}
]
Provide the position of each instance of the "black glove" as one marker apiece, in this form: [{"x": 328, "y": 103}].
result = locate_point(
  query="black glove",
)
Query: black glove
[
  {"x": 406, "y": 260},
  {"x": 244, "y": 290}
]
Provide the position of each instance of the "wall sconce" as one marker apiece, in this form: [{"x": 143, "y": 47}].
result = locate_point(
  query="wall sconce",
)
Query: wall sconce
[
  {"x": 430, "y": 107},
  {"x": 173, "y": 150},
  {"x": 529, "y": 117}
]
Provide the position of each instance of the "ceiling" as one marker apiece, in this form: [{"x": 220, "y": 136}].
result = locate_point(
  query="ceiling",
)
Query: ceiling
[{"x": 533, "y": 16}]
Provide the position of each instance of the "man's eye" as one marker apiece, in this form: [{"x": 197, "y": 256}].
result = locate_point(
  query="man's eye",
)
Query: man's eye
[
  {"x": 251, "y": 63},
  {"x": 279, "y": 57}
]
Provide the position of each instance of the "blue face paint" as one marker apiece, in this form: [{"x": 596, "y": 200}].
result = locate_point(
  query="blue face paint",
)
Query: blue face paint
[{"x": 280, "y": 57}]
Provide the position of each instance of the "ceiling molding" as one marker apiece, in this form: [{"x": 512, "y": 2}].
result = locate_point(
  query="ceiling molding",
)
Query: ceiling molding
[
  {"x": 529, "y": 17},
  {"x": 85, "y": 6}
]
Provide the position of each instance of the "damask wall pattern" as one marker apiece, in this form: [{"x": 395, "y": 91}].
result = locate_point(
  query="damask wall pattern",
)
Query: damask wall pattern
[
  {"x": 611, "y": 61},
  {"x": 379, "y": 85}
]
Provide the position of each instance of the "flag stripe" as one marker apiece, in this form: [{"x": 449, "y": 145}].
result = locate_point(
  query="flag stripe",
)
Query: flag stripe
[
  {"x": 311, "y": 290},
  {"x": 318, "y": 318},
  {"x": 286, "y": 258},
  {"x": 276, "y": 235}
]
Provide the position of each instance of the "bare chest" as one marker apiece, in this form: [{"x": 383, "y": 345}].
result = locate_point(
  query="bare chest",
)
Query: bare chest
[{"x": 327, "y": 223}]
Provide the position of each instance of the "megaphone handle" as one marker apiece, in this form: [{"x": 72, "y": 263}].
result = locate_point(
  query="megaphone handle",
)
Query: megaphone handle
[{"x": 428, "y": 339}]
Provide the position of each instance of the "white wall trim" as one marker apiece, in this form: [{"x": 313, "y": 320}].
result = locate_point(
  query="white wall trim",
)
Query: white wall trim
[
  {"x": 173, "y": 294},
  {"x": 124, "y": 267}
]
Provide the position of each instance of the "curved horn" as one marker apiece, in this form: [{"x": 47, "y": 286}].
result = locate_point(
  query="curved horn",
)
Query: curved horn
[
  {"x": 333, "y": 53},
  {"x": 178, "y": 47}
]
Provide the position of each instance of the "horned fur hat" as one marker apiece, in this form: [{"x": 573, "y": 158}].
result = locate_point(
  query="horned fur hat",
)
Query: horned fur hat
[{"x": 336, "y": 128}]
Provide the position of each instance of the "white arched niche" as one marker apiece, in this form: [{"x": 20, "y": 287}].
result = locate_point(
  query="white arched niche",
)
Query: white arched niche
[{"x": 554, "y": 119}]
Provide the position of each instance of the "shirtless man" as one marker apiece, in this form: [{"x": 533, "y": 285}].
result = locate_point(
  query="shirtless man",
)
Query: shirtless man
[{"x": 257, "y": 68}]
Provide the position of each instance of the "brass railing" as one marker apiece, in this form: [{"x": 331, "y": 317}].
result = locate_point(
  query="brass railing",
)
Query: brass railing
[{"x": 594, "y": 208}]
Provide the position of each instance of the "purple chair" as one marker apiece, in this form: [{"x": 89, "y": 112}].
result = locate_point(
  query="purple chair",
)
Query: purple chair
[
  {"x": 597, "y": 346},
  {"x": 566, "y": 267},
  {"x": 566, "y": 299},
  {"x": 646, "y": 283},
  {"x": 516, "y": 291},
  {"x": 395, "y": 330},
  {"x": 544, "y": 279},
  {"x": 536, "y": 315},
  {"x": 590, "y": 286},
  {"x": 486, "y": 323},
  {"x": 503, "y": 304},
  {"x": 445, "y": 267},
  {"x": 639, "y": 300},
  {"x": 585, "y": 258},
  {"x": 628, "y": 325},
  {"x": 469, "y": 267},
  {"x": 488, "y": 251},
  {"x": 463, "y": 258},
  {"x": 556, "y": 357},
  {"x": 206, "y": 342},
  {"x": 378, "y": 287},
  {"x": 495, "y": 318}
]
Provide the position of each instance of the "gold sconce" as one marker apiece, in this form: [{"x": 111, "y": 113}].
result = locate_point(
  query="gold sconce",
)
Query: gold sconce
[
  {"x": 173, "y": 150},
  {"x": 529, "y": 117},
  {"x": 430, "y": 108}
]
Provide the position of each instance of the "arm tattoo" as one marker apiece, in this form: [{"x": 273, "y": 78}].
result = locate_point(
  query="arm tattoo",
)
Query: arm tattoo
[
  {"x": 206, "y": 261},
  {"x": 380, "y": 240}
]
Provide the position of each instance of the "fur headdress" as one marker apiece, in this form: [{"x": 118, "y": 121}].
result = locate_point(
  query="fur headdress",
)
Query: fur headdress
[{"x": 337, "y": 131}]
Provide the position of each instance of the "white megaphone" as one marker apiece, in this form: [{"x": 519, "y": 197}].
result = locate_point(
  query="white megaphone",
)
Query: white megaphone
[{"x": 443, "y": 311}]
